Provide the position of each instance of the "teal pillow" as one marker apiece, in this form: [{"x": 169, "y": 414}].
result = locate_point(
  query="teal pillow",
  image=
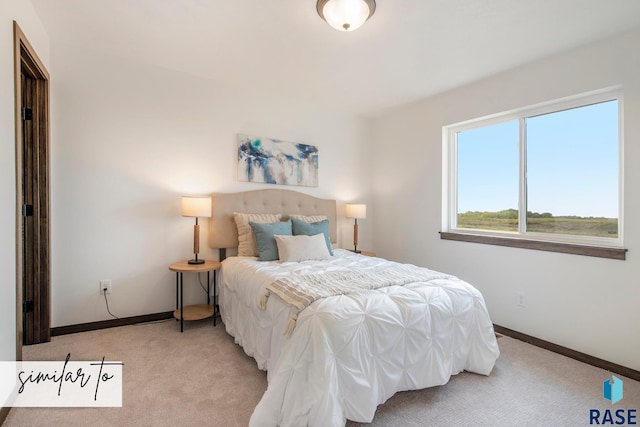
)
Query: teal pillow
[
  {"x": 267, "y": 247},
  {"x": 311, "y": 229}
]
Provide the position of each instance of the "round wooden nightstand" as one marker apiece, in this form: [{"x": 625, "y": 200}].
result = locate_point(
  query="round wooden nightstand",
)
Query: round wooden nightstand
[{"x": 199, "y": 311}]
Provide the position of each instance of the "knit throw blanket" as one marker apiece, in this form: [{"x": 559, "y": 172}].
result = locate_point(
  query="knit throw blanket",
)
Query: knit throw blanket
[{"x": 300, "y": 290}]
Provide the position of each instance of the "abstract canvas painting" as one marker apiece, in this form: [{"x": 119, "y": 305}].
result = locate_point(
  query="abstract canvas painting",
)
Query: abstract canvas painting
[{"x": 277, "y": 162}]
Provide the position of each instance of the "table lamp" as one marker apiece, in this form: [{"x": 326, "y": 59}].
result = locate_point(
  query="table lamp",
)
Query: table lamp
[
  {"x": 356, "y": 211},
  {"x": 198, "y": 207}
]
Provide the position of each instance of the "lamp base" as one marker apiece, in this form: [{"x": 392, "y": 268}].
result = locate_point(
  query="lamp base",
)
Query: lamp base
[
  {"x": 196, "y": 261},
  {"x": 357, "y": 251}
]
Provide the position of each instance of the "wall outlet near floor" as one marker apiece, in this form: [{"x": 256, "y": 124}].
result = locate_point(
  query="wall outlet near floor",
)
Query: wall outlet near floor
[
  {"x": 105, "y": 287},
  {"x": 520, "y": 300}
]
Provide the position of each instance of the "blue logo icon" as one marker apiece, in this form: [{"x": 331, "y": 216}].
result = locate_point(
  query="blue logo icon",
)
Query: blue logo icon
[{"x": 612, "y": 389}]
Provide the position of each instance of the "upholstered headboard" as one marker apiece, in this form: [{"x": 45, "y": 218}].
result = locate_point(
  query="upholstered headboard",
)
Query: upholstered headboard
[{"x": 223, "y": 232}]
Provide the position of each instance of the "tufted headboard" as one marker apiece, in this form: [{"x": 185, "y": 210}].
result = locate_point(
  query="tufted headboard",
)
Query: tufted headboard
[{"x": 223, "y": 232}]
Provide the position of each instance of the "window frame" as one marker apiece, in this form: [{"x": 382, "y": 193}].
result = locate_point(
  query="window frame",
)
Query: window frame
[{"x": 522, "y": 238}]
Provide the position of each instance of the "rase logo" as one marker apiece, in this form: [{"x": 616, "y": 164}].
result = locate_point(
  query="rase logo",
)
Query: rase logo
[{"x": 613, "y": 390}]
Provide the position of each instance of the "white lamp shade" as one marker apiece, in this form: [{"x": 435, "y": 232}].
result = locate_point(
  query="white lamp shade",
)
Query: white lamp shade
[
  {"x": 346, "y": 15},
  {"x": 356, "y": 211},
  {"x": 197, "y": 206}
]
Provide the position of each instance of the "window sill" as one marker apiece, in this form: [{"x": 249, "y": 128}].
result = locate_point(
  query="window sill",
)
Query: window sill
[{"x": 565, "y": 248}]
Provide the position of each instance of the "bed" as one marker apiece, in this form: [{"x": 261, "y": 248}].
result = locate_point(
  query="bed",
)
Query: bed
[{"x": 343, "y": 355}]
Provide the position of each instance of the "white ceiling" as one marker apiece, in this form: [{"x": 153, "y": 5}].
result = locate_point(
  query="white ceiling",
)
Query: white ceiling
[{"x": 408, "y": 50}]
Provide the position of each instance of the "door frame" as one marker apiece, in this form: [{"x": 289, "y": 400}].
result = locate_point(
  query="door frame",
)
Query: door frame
[{"x": 26, "y": 59}]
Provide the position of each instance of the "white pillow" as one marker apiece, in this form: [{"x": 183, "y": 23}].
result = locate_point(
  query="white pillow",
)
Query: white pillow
[
  {"x": 246, "y": 240},
  {"x": 307, "y": 218},
  {"x": 302, "y": 248}
]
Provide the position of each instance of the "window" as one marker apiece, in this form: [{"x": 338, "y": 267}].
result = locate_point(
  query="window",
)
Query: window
[{"x": 547, "y": 173}]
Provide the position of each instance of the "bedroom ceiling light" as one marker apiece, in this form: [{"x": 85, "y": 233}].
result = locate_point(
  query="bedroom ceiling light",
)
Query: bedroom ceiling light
[
  {"x": 346, "y": 15},
  {"x": 196, "y": 206},
  {"x": 356, "y": 211}
]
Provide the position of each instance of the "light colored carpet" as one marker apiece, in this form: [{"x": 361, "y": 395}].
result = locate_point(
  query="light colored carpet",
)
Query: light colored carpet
[{"x": 200, "y": 377}]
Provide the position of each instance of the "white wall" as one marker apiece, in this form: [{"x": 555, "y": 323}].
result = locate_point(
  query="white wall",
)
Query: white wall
[
  {"x": 22, "y": 12},
  {"x": 587, "y": 304},
  {"x": 128, "y": 140}
]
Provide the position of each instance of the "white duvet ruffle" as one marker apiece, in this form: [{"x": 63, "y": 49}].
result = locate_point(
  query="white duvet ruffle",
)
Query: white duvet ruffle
[{"x": 349, "y": 353}]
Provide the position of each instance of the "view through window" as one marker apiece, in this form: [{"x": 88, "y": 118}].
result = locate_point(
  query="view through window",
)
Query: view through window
[{"x": 552, "y": 173}]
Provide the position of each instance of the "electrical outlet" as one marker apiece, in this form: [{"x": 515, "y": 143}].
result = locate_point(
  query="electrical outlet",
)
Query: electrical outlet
[
  {"x": 520, "y": 300},
  {"x": 105, "y": 287}
]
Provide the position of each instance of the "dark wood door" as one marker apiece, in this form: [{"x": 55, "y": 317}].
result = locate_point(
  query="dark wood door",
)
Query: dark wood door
[
  {"x": 27, "y": 221},
  {"x": 33, "y": 196}
]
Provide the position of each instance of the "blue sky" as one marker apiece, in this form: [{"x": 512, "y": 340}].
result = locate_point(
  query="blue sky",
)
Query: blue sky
[{"x": 572, "y": 164}]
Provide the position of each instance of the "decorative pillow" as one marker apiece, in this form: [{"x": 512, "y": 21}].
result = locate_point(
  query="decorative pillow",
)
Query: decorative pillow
[
  {"x": 307, "y": 218},
  {"x": 266, "y": 242},
  {"x": 311, "y": 229},
  {"x": 246, "y": 240},
  {"x": 302, "y": 248}
]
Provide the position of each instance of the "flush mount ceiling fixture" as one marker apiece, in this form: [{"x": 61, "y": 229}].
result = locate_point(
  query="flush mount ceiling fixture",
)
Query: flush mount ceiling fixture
[{"x": 346, "y": 15}]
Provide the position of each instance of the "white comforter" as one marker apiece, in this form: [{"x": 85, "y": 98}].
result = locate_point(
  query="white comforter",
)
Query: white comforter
[{"x": 350, "y": 353}]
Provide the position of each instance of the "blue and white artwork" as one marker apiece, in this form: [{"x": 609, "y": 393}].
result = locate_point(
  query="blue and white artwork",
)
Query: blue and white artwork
[{"x": 277, "y": 162}]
